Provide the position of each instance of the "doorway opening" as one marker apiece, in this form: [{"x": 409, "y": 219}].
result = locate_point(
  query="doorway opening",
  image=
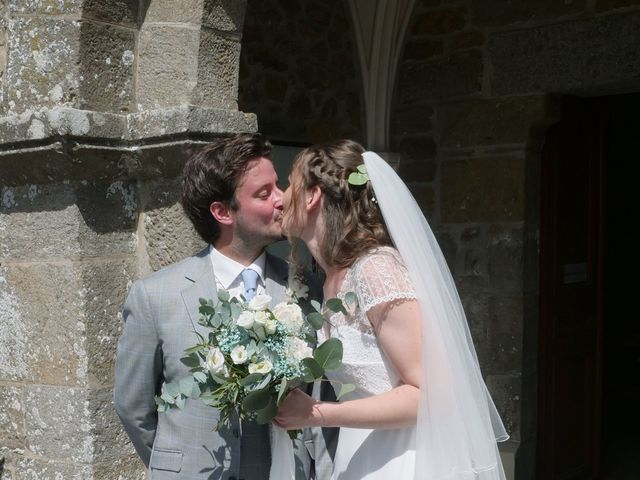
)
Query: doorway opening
[{"x": 589, "y": 358}]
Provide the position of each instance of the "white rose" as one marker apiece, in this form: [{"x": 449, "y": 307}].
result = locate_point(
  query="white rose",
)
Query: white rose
[
  {"x": 239, "y": 355},
  {"x": 298, "y": 349},
  {"x": 246, "y": 320},
  {"x": 215, "y": 361},
  {"x": 259, "y": 302},
  {"x": 289, "y": 314},
  {"x": 261, "y": 318},
  {"x": 260, "y": 367},
  {"x": 270, "y": 326}
]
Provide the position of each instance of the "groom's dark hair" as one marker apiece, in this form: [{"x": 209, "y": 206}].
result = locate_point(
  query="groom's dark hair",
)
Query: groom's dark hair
[{"x": 212, "y": 175}]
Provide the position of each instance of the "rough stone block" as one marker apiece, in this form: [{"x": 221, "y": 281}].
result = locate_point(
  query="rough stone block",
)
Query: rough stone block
[
  {"x": 506, "y": 391},
  {"x": 422, "y": 49},
  {"x": 174, "y": 11},
  {"x": 466, "y": 40},
  {"x": 43, "y": 469},
  {"x": 505, "y": 257},
  {"x": 42, "y": 67},
  {"x": 46, "y": 7},
  {"x": 120, "y": 12},
  {"x": 605, "y": 5},
  {"x": 417, "y": 158},
  {"x": 65, "y": 220},
  {"x": 60, "y": 321},
  {"x": 489, "y": 122},
  {"x": 11, "y": 418},
  {"x": 505, "y": 333},
  {"x": 167, "y": 65},
  {"x": 482, "y": 190},
  {"x": 438, "y": 22},
  {"x": 107, "y": 67},
  {"x": 567, "y": 57},
  {"x": 225, "y": 15},
  {"x": 456, "y": 75},
  {"x": 217, "y": 63},
  {"x": 109, "y": 440},
  {"x": 489, "y": 13},
  {"x": 476, "y": 308},
  {"x": 125, "y": 468},
  {"x": 168, "y": 233},
  {"x": 411, "y": 120},
  {"x": 58, "y": 423},
  {"x": 425, "y": 197}
]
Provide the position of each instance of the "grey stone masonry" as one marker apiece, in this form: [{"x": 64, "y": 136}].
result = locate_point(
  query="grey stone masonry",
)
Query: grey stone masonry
[{"x": 101, "y": 103}]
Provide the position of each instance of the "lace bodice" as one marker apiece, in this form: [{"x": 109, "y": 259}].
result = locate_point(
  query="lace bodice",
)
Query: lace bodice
[{"x": 376, "y": 278}]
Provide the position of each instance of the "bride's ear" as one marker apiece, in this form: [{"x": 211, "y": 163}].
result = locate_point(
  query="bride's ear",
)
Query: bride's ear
[
  {"x": 221, "y": 212},
  {"x": 314, "y": 198}
]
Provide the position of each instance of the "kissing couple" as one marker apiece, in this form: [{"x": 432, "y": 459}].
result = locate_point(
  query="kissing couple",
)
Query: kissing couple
[{"x": 420, "y": 408}]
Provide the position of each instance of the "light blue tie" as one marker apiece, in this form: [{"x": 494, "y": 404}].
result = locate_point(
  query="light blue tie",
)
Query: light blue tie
[{"x": 250, "y": 280}]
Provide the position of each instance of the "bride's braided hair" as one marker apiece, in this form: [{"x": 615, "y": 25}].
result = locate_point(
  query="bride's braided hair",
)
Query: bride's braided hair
[{"x": 353, "y": 222}]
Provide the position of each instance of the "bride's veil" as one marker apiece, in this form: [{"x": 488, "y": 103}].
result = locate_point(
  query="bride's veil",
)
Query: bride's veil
[{"x": 458, "y": 424}]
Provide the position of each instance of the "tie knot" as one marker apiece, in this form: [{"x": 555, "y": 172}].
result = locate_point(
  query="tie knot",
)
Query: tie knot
[{"x": 250, "y": 280}]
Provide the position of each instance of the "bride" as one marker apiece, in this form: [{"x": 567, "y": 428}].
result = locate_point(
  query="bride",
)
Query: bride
[{"x": 420, "y": 408}]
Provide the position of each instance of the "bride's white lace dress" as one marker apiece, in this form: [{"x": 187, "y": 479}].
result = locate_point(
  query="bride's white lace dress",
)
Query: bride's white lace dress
[{"x": 377, "y": 278}]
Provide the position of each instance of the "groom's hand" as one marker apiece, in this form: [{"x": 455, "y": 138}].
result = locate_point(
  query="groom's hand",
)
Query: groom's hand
[{"x": 298, "y": 411}]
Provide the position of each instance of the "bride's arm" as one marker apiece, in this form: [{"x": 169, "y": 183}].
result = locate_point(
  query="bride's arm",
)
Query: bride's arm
[{"x": 398, "y": 330}]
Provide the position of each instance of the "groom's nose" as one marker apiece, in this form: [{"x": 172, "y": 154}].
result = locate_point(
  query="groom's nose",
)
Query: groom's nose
[{"x": 277, "y": 194}]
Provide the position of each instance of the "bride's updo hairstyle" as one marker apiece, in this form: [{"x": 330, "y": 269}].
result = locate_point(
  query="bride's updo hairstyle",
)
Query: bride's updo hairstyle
[{"x": 353, "y": 222}]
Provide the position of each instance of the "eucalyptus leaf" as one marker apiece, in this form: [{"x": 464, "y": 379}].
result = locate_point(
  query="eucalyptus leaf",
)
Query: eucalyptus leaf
[
  {"x": 191, "y": 360},
  {"x": 195, "y": 391},
  {"x": 344, "y": 389},
  {"x": 316, "y": 305},
  {"x": 350, "y": 298},
  {"x": 180, "y": 401},
  {"x": 313, "y": 370},
  {"x": 186, "y": 385},
  {"x": 265, "y": 381},
  {"x": 236, "y": 310},
  {"x": 172, "y": 389},
  {"x": 256, "y": 400},
  {"x": 329, "y": 354},
  {"x": 335, "y": 305},
  {"x": 251, "y": 378},
  {"x": 357, "y": 178},
  {"x": 282, "y": 391},
  {"x": 267, "y": 414},
  {"x": 206, "y": 310},
  {"x": 362, "y": 168},
  {"x": 203, "y": 301},
  {"x": 194, "y": 349},
  {"x": 168, "y": 398},
  {"x": 201, "y": 377},
  {"x": 315, "y": 319},
  {"x": 223, "y": 295}
]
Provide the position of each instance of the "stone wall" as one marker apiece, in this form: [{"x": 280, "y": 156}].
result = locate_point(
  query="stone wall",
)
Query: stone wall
[
  {"x": 299, "y": 71},
  {"x": 100, "y": 105},
  {"x": 479, "y": 82}
]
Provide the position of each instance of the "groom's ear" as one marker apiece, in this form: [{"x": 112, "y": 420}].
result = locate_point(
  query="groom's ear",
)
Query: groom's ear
[
  {"x": 221, "y": 212},
  {"x": 314, "y": 198}
]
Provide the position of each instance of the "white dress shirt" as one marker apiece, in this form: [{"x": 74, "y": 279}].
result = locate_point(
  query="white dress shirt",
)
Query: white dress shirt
[{"x": 228, "y": 272}]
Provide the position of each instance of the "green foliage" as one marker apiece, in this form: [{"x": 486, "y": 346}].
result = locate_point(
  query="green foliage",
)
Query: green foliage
[{"x": 329, "y": 354}]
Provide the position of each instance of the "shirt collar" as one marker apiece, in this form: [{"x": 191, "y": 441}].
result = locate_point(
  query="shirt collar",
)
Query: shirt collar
[{"x": 227, "y": 270}]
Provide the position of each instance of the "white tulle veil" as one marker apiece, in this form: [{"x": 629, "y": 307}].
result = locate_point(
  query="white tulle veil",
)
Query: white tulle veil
[{"x": 458, "y": 424}]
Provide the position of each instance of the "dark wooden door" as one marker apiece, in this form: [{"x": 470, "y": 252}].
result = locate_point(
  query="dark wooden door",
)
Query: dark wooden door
[{"x": 571, "y": 294}]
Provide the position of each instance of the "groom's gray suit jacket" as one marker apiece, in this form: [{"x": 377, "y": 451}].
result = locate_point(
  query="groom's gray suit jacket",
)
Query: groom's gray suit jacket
[{"x": 160, "y": 315}]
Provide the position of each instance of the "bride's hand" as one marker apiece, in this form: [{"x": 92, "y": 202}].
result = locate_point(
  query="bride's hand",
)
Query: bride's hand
[{"x": 297, "y": 411}]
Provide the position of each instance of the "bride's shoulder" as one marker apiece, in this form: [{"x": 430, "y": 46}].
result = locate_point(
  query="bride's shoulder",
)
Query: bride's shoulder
[{"x": 379, "y": 257}]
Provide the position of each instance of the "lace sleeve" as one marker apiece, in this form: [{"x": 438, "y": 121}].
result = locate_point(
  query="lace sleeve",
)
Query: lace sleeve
[{"x": 381, "y": 277}]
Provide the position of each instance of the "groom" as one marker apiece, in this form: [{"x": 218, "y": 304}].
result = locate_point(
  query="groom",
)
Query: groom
[{"x": 231, "y": 195}]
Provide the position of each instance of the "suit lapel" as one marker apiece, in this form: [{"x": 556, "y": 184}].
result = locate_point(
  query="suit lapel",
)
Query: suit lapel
[{"x": 200, "y": 284}]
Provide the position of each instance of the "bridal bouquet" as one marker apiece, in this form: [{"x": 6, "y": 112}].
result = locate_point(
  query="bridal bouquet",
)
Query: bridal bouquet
[{"x": 253, "y": 356}]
